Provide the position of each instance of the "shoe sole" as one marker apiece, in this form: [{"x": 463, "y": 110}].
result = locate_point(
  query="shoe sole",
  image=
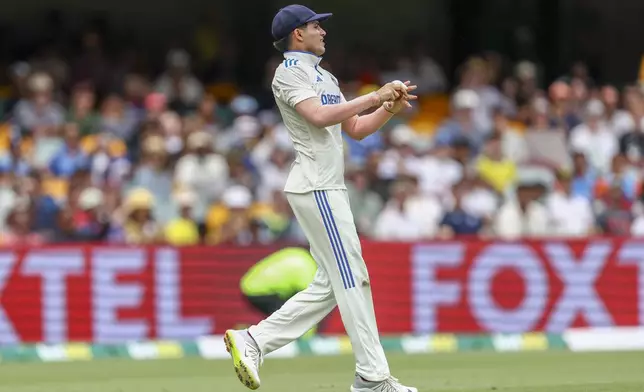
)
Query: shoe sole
[{"x": 244, "y": 376}]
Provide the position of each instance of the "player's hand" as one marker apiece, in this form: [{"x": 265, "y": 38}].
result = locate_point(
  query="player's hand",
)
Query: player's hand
[
  {"x": 390, "y": 92},
  {"x": 403, "y": 101}
]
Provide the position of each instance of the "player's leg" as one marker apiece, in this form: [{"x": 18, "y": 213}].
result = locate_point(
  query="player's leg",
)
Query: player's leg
[
  {"x": 304, "y": 310},
  {"x": 298, "y": 315},
  {"x": 352, "y": 287}
]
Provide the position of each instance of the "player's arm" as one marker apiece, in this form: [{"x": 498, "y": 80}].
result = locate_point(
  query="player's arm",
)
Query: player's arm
[
  {"x": 294, "y": 87},
  {"x": 359, "y": 127},
  {"x": 326, "y": 115}
]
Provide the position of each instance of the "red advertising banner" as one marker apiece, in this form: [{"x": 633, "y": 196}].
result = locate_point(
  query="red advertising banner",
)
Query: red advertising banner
[{"x": 111, "y": 294}]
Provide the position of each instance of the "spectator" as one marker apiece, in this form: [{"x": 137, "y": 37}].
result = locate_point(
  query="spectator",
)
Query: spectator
[
  {"x": 401, "y": 159},
  {"x": 614, "y": 211},
  {"x": 18, "y": 230},
  {"x": 620, "y": 120},
  {"x": 594, "y": 138},
  {"x": 70, "y": 158},
  {"x": 562, "y": 114},
  {"x": 82, "y": 111},
  {"x": 233, "y": 226},
  {"x": 139, "y": 226},
  {"x": 476, "y": 77},
  {"x": 458, "y": 222},
  {"x": 493, "y": 168},
  {"x": 623, "y": 174},
  {"x": 274, "y": 173},
  {"x": 395, "y": 222},
  {"x": 365, "y": 203},
  {"x": 178, "y": 84},
  {"x": 427, "y": 209},
  {"x": 279, "y": 223},
  {"x": 631, "y": 143},
  {"x": 154, "y": 174},
  {"x": 570, "y": 215},
  {"x": 584, "y": 177},
  {"x": 45, "y": 207},
  {"x": 202, "y": 171},
  {"x": 477, "y": 198},
  {"x": 522, "y": 216},
  {"x": 86, "y": 223},
  {"x": 183, "y": 230},
  {"x": 38, "y": 114},
  {"x": 462, "y": 124},
  {"x": 116, "y": 120},
  {"x": 438, "y": 171},
  {"x": 513, "y": 144}
]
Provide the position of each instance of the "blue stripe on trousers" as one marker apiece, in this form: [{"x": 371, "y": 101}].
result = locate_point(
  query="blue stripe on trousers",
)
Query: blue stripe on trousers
[
  {"x": 343, "y": 254},
  {"x": 318, "y": 200}
]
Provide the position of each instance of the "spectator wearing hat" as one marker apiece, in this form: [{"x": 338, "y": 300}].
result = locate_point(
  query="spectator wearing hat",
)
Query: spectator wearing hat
[
  {"x": 88, "y": 223},
  {"x": 594, "y": 138},
  {"x": 229, "y": 222},
  {"x": 183, "y": 231},
  {"x": 154, "y": 174},
  {"x": 138, "y": 226},
  {"x": 570, "y": 215},
  {"x": 203, "y": 171},
  {"x": 38, "y": 113},
  {"x": 461, "y": 124}
]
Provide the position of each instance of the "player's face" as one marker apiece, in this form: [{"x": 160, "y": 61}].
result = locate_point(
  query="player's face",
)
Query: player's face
[{"x": 313, "y": 38}]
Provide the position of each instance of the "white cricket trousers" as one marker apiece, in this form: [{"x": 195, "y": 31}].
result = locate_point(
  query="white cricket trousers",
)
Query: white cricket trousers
[{"x": 342, "y": 279}]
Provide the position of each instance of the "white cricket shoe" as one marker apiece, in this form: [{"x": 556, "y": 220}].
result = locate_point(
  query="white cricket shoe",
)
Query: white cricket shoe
[
  {"x": 389, "y": 385},
  {"x": 247, "y": 358}
]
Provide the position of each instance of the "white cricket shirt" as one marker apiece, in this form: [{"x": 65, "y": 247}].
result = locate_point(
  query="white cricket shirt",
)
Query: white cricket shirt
[{"x": 319, "y": 156}]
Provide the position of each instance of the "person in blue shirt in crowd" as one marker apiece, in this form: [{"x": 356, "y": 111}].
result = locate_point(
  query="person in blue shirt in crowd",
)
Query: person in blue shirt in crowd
[
  {"x": 458, "y": 221},
  {"x": 71, "y": 157}
]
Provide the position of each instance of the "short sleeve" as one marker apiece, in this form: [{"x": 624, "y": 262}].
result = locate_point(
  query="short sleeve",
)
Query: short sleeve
[{"x": 294, "y": 86}]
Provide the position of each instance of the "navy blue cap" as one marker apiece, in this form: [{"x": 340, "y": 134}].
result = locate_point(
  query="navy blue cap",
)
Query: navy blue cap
[{"x": 291, "y": 17}]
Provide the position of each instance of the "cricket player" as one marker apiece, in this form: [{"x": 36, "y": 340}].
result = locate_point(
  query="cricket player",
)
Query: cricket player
[{"x": 315, "y": 113}]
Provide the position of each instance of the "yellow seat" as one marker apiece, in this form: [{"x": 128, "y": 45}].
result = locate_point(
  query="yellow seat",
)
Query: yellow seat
[
  {"x": 55, "y": 187},
  {"x": 116, "y": 147},
  {"x": 222, "y": 92},
  {"x": 438, "y": 105},
  {"x": 5, "y": 137}
]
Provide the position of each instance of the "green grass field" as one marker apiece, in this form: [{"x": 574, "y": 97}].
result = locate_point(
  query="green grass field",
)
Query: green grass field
[{"x": 476, "y": 372}]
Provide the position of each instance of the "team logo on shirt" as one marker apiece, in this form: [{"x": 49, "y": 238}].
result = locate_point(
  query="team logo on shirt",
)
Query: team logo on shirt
[{"x": 330, "y": 99}]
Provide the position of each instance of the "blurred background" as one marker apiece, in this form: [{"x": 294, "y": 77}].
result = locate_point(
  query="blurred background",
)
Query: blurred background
[
  {"x": 146, "y": 123},
  {"x": 142, "y": 139}
]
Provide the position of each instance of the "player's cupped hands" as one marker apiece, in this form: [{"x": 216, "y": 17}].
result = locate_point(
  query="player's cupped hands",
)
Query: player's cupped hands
[{"x": 402, "y": 101}]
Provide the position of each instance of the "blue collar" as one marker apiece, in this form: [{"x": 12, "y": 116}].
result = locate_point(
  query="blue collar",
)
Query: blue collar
[{"x": 306, "y": 57}]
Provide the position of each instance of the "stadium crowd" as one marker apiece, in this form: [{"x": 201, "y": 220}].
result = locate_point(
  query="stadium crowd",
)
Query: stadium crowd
[{"x": 94, "y": 152}]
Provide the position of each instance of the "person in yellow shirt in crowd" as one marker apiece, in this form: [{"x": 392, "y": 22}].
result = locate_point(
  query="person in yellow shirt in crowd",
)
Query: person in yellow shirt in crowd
[
  {"x": 273, "y": 280},
  {"x": 183, "y": 230},
  {"x": 494, "y": 168},
  {"x": 139, "y": 225}
]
